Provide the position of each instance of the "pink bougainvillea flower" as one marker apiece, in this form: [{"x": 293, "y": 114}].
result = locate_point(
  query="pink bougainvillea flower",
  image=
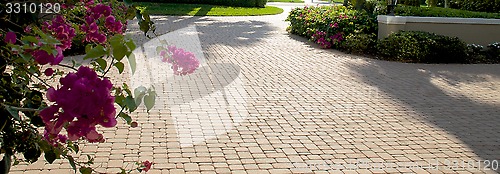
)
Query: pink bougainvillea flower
[
  {"x": 147, "y": 165},
  {"x": 183, "y": 62},
  {"x": 27, "y": 29},
  {"x": 60, "y": 29},
  {"x": 51, "y": 94},
  {"x": 113, "y": 25},
  {"x": 100, "y": 10},
  {"x": 42, "y": 57},
  {"x": 10, "y": 37},
  {"x": 82, "y": 102}
]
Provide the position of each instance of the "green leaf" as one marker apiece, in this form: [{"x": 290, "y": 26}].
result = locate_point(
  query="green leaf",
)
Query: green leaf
[
  {"x": 131, "y": 45},
  {"x": 95, "y": 52},
  {"x": 139, "y": 93},
  {"x": 46, "y": 39},
  {"x": 120, "y": 100},
  {"x": 85, "y": 170},
  {"x": 72, "y": 162},
  {"x": 131, "y": 61},
  {"x": 123, "y": 171},
  {"x": 120, "y": 66},
  {"x": 126, "y": 117},
  {"x": 144, "y": 26},
  {"x": 26, "y": 57},
  {"x": 126, "y": 89},
  {"x": 119, "y": 49},
  {"x": 88, "y": 47},
  {"x": 50, "y": 156},
  {"x": 145, "y": 14},
  {"x": 31, "y": 39},
  {"x": 130, "y": 103},
  {"x": 149, "y": 100},
  {"x": 138, "y": 14},
  {"x": 119, "y": 52},
  {"x": 12, "y": 111},
  {"x": 49, "y": 49},
  {"x": 102, "y": 63}
]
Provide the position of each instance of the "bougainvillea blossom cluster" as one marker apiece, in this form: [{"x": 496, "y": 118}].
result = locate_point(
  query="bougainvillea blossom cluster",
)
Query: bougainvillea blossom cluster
[
  {"x": 91, "y": 27},
  {"x": 80, "y": 104},
  {"x": 61, "y": 29},
  {"x": 321, "y": 39},
  {"x": 183, "y": 62}
]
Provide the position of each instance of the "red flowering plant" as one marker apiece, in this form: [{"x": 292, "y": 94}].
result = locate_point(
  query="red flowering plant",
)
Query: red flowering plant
[{"x": 83, "y": 98}]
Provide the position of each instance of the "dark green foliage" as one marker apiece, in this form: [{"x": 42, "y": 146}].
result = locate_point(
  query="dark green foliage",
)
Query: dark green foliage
[
  {"x": 431, "y": 3},
  {"x": 493, "y": 51},
  {"x": 260, "y": 3},
  {"x": 375, "y": 7},
  {"x": 422, "y": 47},
  {"x": 480, "y": 54},
  {"x": 235, "y": 3},
  {"x": 492, "y": 6},
  {"x": 441, "y": 12},
  {"x": 360, "y": 43},
  {"x": 410, "y": 2},
  {"x": 358, "y": 4}
]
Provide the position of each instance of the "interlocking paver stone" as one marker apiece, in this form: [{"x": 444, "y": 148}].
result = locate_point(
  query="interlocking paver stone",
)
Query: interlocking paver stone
[{"x": 266, "y": 101}]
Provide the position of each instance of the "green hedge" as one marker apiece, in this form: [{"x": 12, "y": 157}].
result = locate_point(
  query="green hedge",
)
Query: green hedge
[
  {"x": 441, "y": 12},
  {"x": 424, "y": 47},
  {"x": 479, "y": 5},
  {"x": 480, "y": 54},
  {"x": 235, "y": 3},
  {"x": 410, "y": 2}
]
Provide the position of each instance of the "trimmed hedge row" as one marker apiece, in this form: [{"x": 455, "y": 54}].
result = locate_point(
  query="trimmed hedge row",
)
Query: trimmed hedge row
[
  {"x": 234, "y": 3},
  {"x": 477, "y": 5},
  {"x": 441, "y": 12},
  {"x": 355, "y": 31},
  {"x": 424, "y": 47}
]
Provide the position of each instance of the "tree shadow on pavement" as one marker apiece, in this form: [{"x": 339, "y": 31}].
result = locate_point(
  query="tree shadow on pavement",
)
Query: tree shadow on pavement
[
  {"x": 474, "y": 122},
  {"x": 214, "y": 30}
]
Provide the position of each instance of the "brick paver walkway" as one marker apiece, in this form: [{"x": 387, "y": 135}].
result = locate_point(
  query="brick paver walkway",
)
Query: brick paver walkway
[{"x": 265, "y": 101}]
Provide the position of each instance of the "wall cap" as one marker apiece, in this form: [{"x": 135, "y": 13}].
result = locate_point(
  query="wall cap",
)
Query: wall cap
[{"x": 417, "y": 19}]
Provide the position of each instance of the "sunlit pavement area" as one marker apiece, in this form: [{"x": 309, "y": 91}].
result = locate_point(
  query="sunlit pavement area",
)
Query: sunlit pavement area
[{"x": 265, "y": 101}]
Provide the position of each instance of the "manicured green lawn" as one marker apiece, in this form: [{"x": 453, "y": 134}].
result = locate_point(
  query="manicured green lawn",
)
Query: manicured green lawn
[
  {"x": 206, "y": 10},
  {"x": 294, "y": 1}
]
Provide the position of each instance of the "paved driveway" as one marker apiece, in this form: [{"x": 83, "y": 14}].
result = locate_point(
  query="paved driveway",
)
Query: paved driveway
[{"x": 265, "y": 101}]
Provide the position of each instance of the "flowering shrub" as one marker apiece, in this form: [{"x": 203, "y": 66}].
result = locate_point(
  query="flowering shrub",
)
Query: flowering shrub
[
  {"x": 329, "y": 25},
  {"x": 84, "y": 100}
]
